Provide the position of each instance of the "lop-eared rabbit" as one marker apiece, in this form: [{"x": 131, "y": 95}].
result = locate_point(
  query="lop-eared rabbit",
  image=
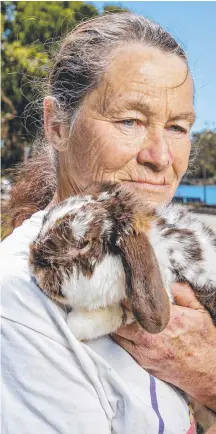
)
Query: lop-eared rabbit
[{"x": 105, "y": 246}]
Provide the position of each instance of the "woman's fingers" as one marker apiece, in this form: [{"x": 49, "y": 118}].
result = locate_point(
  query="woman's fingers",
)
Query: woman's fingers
[
  {"x": 135, "y": 335},
  {"x": 130, "y": 331},
  {"x": 184, "y": 296},
  {"x": 181, "y": 316},
  {"x": 183, "y": 354},
  {"x": 137, "y": 352},
  {"x": 128, "y": 345}
]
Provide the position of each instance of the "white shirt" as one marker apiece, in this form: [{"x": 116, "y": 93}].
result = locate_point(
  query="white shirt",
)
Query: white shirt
[{"x": 54, "y": 384}]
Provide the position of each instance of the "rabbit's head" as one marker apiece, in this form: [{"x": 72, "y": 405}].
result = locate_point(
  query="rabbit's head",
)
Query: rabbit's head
[{"x": 82, "y": 230}]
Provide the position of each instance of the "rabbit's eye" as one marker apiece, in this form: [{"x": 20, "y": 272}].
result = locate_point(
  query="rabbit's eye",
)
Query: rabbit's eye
[{"x": 84, "y": 244}]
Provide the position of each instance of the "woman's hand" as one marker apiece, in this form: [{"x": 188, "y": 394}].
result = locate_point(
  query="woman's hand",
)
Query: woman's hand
[{"x": 184, "y": 354}]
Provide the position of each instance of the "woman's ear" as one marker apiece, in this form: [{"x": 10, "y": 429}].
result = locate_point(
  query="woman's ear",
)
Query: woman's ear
[
  {"x": 55, "y": 132},
  {"x": 144, "y": 287}
]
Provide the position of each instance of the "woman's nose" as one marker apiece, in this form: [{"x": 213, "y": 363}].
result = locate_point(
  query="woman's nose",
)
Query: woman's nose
[{"x": 156, "y": 152}]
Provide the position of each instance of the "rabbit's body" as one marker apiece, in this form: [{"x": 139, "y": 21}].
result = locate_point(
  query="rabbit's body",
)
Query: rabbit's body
[
  {"x": 78, "y": 257},
  {"x": 96, "y": 250},
  {"x": 186, "y": 252}
]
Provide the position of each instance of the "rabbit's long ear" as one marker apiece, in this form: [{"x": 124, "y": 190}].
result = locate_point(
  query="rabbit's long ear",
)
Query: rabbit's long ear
[{"x": 144, "y": 286}]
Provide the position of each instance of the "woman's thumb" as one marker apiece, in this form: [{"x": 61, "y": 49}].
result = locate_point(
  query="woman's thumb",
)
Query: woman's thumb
[{"x": 184, "y": 296}]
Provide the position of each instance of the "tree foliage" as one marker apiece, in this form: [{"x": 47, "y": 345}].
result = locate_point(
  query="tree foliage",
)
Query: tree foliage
[
  {"x": 114, "y": 8},
  {"x": 29, "y": 30},
  {"x": 204, "y": 149}
]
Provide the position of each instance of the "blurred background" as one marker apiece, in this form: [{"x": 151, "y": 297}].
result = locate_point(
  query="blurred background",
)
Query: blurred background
[{"x": 30, "y": 31}]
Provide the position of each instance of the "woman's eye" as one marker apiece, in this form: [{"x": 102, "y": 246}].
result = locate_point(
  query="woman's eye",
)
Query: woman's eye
[
  {"x": 130, "y": 122},
  {"x": 178, "y": 129}
]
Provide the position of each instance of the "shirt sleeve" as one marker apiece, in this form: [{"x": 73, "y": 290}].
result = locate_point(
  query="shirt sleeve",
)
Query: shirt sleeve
[{"x": 44, "y": 389}]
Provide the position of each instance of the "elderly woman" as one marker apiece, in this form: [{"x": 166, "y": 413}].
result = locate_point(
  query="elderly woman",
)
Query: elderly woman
[{"x": 119, "y": 108}]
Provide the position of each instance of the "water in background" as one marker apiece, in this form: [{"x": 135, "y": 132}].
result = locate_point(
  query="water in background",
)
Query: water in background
[{"x": 197, "y": 191}]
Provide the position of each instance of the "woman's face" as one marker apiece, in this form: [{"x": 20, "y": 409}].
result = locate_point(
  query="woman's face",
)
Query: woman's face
[{"x": 134, "y": 128}]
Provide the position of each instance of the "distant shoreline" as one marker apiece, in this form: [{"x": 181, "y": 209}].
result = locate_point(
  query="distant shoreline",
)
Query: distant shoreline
[
  {"x": 199, "y": 181},
  {"x": 205, "y": 209}
]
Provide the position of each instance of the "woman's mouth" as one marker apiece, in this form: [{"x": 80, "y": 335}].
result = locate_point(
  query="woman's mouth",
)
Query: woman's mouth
[{"x": 149, "y": 186}]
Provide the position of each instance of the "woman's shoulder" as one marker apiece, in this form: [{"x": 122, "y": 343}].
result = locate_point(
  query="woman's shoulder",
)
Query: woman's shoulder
[
  {"x": 22, "y": 300},
  {"x": 16, "y": 245},
  {"x": 15, "y": 252}
]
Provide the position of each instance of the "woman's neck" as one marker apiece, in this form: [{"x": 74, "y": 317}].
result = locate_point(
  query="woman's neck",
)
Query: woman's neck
[{"x": 63, "y": 191}]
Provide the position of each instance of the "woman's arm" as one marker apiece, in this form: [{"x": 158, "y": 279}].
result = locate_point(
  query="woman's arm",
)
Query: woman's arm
[{"x": 184, "y": 354}]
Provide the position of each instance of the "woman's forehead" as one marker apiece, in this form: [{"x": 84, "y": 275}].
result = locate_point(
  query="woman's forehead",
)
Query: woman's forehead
[
  {"x": 144, "y": 77},
  {"x": 146, "y": 65}
]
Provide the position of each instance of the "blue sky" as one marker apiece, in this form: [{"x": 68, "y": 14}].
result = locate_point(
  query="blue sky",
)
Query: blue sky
[{"x": 193, "y": 24}]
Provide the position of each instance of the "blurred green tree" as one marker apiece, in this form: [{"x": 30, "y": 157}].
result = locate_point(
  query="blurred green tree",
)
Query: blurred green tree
[
  {"x": 29, "y": 31},
  {"x": 114, "y": 8},
  {"x": 203, "y": 164}
]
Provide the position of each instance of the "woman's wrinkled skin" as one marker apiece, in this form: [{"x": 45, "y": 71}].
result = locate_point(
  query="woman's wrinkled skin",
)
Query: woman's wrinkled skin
[{"x": 134, "y": 129}]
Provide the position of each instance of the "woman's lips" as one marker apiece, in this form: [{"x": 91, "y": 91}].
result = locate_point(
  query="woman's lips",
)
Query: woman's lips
[{"x": 149, "y": 186}]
